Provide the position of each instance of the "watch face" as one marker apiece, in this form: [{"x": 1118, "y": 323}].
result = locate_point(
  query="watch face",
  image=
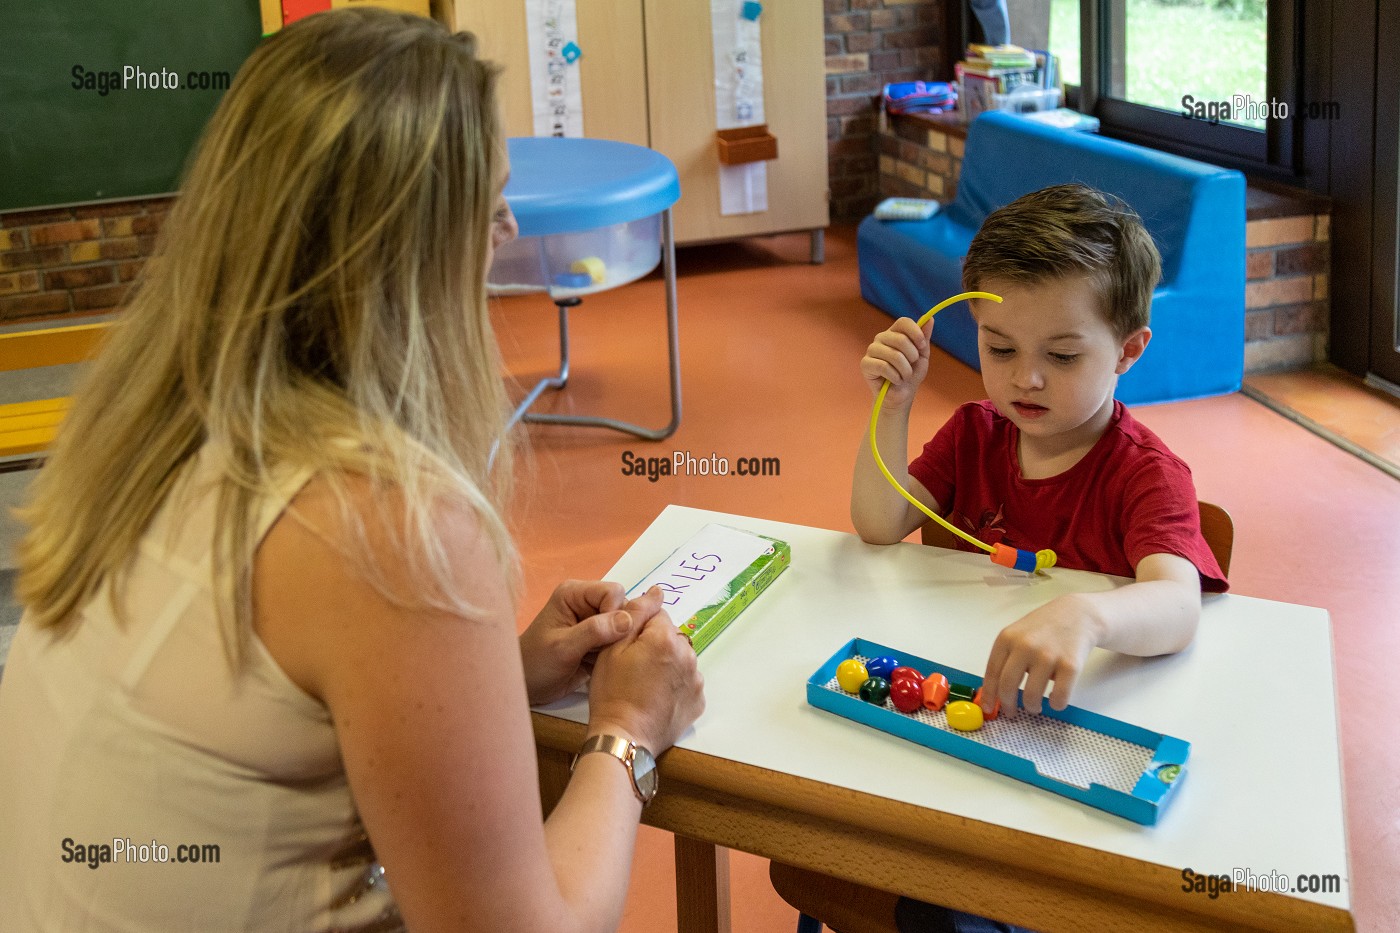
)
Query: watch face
[{"x": 644, "y": 772}]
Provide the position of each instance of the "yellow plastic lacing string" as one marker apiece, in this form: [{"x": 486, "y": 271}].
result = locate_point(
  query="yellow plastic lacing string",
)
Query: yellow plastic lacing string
[{"x": 1002, "y": 554}]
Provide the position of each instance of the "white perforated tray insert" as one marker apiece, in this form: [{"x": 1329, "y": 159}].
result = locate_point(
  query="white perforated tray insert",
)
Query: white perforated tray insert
[{"x": 1058, "y": 749}]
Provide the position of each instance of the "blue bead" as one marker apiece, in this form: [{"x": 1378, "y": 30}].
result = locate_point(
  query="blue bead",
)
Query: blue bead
[
  {"x": 1025, "y": 561},
  {"x": 573, "y": 280},
  {"x": 881, "y": 667}
]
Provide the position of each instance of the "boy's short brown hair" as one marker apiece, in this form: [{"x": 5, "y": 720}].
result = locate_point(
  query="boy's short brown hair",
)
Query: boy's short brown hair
[{"x": 1067, "y": 230}]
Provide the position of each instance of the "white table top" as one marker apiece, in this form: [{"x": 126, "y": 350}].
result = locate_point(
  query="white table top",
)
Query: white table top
[{"x": 1254, "y": 695}]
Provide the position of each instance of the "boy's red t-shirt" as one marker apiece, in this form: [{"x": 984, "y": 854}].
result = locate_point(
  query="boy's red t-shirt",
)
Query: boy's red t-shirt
[{"x": 1127, "y": 498}]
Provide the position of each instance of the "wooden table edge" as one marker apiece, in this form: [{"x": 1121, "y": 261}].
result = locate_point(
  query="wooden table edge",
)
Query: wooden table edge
[{"x": 798, "y": 820}]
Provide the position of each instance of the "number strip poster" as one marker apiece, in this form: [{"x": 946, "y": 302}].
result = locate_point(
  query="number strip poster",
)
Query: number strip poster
[
  {"x": 743, "y": 189},
  {"x": 552, "y": 28}
]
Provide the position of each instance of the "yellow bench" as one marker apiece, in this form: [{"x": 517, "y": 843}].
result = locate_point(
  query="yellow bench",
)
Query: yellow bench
[{"x": 29, "y": 427}]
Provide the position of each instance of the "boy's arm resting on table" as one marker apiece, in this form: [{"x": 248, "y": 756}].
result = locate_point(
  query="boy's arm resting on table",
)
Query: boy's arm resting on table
[
  {"x": 1157, "y": 614},
  {"x": 431, "y": 715}
]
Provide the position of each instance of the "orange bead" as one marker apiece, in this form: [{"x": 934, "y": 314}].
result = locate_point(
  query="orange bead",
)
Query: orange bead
[
  {"x": 1004, "y": 555},
  {"x": 996, "y": 707},
  {"x": 935, "y": 688}
]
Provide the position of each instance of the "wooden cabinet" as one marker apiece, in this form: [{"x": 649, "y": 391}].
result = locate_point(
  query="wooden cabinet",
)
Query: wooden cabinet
[{"x": 647, "y": 77}]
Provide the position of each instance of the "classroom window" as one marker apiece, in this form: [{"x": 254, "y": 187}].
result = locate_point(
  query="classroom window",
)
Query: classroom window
[
  {"x": 1142, "y": 65},
  {"x": 1208, "y": 50},
  {"x": 1064, "y": 38}
]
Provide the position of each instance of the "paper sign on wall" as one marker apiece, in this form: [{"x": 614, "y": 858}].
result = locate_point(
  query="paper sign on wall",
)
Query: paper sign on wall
[
  {"x": 552, "y": 30},
  {"x": 738, "y": 53}
]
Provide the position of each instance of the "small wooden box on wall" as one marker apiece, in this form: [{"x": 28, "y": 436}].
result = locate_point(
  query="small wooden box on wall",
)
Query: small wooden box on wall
[{"x": 746, "y": 144}]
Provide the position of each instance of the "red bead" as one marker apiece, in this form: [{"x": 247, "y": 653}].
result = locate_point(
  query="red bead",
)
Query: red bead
[
  {"x": 906, "y": 673},
  {"x": 907, "y": 695}
]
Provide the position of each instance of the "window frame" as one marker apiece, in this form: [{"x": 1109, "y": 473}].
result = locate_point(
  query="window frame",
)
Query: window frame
[{"x": 1273, "y": 152}]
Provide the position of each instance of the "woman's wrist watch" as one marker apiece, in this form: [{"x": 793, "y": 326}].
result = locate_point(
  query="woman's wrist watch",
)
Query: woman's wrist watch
[{"x": 641, "y": 766}]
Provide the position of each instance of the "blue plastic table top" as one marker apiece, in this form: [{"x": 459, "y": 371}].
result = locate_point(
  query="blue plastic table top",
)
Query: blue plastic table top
[{"x": 560, "y": 185}]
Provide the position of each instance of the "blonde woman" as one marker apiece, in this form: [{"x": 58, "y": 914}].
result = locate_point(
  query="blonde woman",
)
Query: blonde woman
[{"x": 268, "y": 676}]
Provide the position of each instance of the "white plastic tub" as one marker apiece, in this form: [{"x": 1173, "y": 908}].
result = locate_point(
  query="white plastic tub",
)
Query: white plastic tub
[
  {"x": 1028, "y": 99},
  {"x": 623, "y": 252}
]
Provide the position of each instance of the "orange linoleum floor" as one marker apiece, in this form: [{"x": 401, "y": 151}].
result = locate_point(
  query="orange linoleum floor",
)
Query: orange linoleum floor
[
  {"x": 1338, "y": 402},
  {"x": 770, "y": 347}
]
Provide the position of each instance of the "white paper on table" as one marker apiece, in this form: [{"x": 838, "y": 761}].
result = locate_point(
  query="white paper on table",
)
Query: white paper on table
[
  {"x": 738, "y": 56},
  {"x": 700, "y": 567},
  {"x": 554, "y": 81}
]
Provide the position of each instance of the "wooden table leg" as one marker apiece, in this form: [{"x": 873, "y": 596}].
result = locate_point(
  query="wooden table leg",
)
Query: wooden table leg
[{"x": 702, "y": 887}]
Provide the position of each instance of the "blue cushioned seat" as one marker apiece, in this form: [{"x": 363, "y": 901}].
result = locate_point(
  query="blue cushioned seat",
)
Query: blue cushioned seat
[{"x": 1194, "y": 211}]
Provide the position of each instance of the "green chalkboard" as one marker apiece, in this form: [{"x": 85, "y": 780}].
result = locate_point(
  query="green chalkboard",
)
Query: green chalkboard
[{"x": 63, "y": 140}]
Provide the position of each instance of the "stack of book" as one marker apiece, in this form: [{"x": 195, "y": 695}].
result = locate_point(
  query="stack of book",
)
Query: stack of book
[
  {"x": 1002, "y": 56},
  {"x": 990, "y": 70}
]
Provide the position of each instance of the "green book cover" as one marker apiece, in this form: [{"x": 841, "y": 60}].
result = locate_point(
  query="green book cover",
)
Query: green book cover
[
  {"x": 713, "y": 577},
  {"x": 736, "y": 595}
]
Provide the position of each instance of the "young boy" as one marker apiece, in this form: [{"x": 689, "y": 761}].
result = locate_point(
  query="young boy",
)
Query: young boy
[{"x": 1050, "y": 459}]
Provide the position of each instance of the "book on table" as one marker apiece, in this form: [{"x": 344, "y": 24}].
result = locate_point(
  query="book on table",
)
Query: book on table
[{"x": 714, "y": 576}]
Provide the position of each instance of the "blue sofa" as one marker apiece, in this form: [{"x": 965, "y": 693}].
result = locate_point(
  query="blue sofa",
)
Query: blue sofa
[{"x": 1194, "y": 211}]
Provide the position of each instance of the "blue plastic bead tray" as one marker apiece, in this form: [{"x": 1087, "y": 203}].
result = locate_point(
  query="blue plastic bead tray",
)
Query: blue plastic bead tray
[{"x": 1103, "y": 762}]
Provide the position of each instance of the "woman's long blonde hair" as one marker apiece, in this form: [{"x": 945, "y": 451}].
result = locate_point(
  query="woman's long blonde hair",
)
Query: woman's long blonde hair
[{"x": 317, "y": 300}]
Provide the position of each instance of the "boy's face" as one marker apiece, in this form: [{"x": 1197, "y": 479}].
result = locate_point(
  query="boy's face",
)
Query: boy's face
[{"x": 1050, "y": 361}]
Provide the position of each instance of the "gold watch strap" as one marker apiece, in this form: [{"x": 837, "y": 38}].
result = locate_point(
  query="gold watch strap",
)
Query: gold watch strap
[{"x": 617, "y": 747}]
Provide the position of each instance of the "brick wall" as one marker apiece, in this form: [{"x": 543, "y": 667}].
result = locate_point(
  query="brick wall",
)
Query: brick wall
[
  {"x": 1287, "y": 258},
  {"x": 76, "y": 260},
  {"x": 918, "y": 160},
  {"x": 870, "y": 43},
  {"x": 1285, "y": 294}
]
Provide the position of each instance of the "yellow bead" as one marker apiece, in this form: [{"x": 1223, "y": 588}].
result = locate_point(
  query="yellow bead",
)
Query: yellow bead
[
  {"x": 965, "y": 716},
  {"x": 850, "y": 674},
  {"x": 593, "y": 266}
]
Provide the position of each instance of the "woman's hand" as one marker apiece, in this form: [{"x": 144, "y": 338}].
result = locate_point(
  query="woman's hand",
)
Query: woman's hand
[
  {"x": 558, "y": 648},
  {"x": 647, "y": 686}
]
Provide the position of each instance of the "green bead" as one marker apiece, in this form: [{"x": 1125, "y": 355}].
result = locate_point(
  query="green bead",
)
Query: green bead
[
  {"x": 961, "y": 692},
  {"x": 875, "y": 690}
]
